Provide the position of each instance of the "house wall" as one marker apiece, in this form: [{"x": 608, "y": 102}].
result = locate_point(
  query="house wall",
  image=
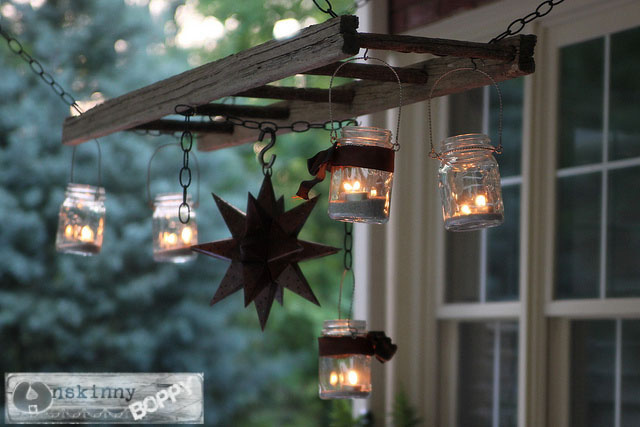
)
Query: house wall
[
  {"x": 405, "y": 15},
  {"x": 400, "y": 266}
]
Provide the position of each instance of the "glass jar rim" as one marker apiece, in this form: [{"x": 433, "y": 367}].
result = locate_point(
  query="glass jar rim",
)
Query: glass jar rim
[
  {"x": 171, "y": 199},
  {"x": 365, "y": 135},
  {"x": 373, "y": 129},
  {"x": 466, "y": 141},
  {"x": 85, "y": 190},
  {"x": 344, "y": 326}
]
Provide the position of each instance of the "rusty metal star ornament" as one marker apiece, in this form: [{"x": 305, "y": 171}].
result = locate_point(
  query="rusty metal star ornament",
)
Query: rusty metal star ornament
[{"x": 264, "y": 250}]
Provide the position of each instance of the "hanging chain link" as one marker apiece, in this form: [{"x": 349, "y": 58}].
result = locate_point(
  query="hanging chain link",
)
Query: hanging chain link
[
  {"x": 16, "y": 47},
  {"x": 518, "y": 25},
  {"x": 186, "y": 144},
  {"x": 36, "y": 67},
  {"x": 348, "y": 268},
  {"x": 328, "y": 9},
  {"x": 296, "y": 127}
]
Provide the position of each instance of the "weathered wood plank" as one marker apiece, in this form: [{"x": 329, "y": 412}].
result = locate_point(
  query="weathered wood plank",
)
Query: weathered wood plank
[
  {"x": 194, "y": 126},
  {"x": 443, "y": 47},
  {"x": 379, "y": 96},
  {"x": 338, "y": 95},
  {"x": 252, "y": 111},
  {"x": 371, "y": 72},
  {"x": 313, "y": 47}
]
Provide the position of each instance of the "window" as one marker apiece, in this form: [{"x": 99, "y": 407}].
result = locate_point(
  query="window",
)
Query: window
[
  {"x": 536, "y": 322},
  {"x": 483, "y": 267},
  {"x": 599, "y": 169},
  {"x": 598, "y": 227}
]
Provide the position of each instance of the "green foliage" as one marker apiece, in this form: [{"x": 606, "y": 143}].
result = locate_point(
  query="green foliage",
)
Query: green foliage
[
  {"x": 342, "y": 415},
  {"x": 403, "y": 413},
  {"x": 120, "y": 311}
]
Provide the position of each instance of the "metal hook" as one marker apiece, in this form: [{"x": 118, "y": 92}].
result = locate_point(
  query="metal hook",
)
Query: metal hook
[
  {"x": 475, "y": 66},
  {"x": 270, "y": 145}
]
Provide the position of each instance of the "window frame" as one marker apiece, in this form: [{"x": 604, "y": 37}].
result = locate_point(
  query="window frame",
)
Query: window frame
[{"x": 401, "y": 266}]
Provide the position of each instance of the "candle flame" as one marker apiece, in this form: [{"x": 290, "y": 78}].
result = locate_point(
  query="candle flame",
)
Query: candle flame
[
  {"x": 68, "y": 231},
  {"x": 374, "y": 192},
  {"x": 86, "y": 234},
  {"x": 170, "y": 238},
  {"x": 481, "y": 200},
  {"x": 333, "y": 378},
  {"x": 186, "y": 235},
  {"x": 352, "y": 376},
  {"x": 465, "y": 209},
  {"x": 351, "y": 187}
]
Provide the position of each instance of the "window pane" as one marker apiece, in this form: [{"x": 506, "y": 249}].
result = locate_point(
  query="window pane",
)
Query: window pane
[
  {"x": 463, "y": 249},
  {"x": 624, "y": 110},
  {"x": 504, "y": 250},
  {"x": 580, "y": 103},
  {"x": 592, "y": 373},
  {"x": 512, "y": 99},
  {"x": 463, "y": 267},
  {"x": 479, "y": 402},
  {"x": 465, "y": 113},
  {"x": 623, "y": 233},
  {"x": 630, "y": 373},
  {"x": 508, "y": 374},
  {"x": 578, "y": 236}
]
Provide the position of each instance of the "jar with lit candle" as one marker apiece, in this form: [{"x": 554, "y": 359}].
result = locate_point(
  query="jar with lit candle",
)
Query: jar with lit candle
[
  {"x": 362, "y": 176},
  {"x": 171, "y": 238},
  {"x": 469, "y": 182},
  {"x": 345, "y": 360},
  {"x": 81, "y": 220}
]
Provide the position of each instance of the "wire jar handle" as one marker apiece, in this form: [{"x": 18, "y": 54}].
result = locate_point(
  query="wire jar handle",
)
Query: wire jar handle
[
  {"x": 73, "y": 161},
  {"x": 177, "y": 145},
  {"x": 498, "y": 150},
  {"x": 365, "y": 57}
]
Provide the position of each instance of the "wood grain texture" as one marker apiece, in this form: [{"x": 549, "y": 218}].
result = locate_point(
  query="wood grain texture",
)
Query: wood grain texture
[
  {"x": 371, "y": 72},
  {"x": 252, "y": 111},
  {"x": 412, "y": 44},
  {"x": 172, "y": 126},
  {"x": 313, "y": 47},
  {"x": 372, "y": 96},
  {"x": 69, "y": 406},
  {"x": 298, "y": 94}
]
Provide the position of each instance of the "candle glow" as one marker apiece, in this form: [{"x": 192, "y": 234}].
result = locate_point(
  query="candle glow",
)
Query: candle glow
[
  {"x": 86, "y": 234},
  {"x": 333, "y": 378},
  {"x": 352, "y": 376},
  {"x": 481, "y": 200},
  {"x": 186, "y": 235}
]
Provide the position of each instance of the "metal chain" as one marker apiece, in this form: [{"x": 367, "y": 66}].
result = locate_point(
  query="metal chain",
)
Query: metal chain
[
  {"x": 184, "y": 177},
  {"x": 196, "y": 203},
  {"x": 357, "y": 4},
  {"x": 297, "y": 127},
  {"x": 518, "y": 25},
  {"x": 348, "y": 264},
  {"x": 36, "y": 67},
  {"x": 16, "y": 47}
]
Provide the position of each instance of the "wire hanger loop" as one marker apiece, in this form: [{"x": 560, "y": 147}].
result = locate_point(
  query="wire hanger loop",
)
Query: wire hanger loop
[
  {"x": 498, "y": 150},
  {"x": 366, "y": 57}
]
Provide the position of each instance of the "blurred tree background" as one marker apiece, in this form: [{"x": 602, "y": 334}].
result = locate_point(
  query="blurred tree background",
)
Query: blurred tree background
[{"x": 120, "y": 311}]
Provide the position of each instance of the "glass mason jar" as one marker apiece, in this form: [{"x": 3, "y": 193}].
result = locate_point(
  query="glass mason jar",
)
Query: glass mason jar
[
  {"x": 171, "y": 238},
  {"x": 360, "y": 194},
  {"x": 344, "y": 376},
  {"x": 81, "y": 220},
  {"x": 469, "y": 182}
]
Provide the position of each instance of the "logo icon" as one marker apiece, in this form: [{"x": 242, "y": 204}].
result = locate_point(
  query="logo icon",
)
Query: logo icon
[{"x": 33, "y": 397}]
